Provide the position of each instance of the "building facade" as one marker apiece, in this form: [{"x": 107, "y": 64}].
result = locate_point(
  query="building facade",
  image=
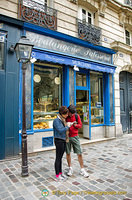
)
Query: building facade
[{"x": 82, "y": 55}]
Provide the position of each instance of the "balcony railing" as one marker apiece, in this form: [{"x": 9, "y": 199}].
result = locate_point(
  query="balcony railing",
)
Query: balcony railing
[
  {"x": 39, "y": 14},
  {"x": 128, "y": 2},
  {"x": 89, "y": 32}
]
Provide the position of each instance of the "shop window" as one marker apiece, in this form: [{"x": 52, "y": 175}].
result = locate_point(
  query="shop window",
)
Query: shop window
[
  {"x": 128, "y": 39},
  {"x": 97, "y": 110},
  {"x": 111, "y": 99},
  {"x": 80, "y": 79},
  {"x": 47, "y": 95}
]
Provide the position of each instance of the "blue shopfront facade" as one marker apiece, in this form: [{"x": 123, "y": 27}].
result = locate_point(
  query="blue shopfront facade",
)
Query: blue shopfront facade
[{"x": 67, "y": 70}]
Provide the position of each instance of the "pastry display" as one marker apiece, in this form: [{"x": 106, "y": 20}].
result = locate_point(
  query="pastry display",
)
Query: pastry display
[
  {"x": 42, "y": 125},
  {"x": 42, "y": 120}
]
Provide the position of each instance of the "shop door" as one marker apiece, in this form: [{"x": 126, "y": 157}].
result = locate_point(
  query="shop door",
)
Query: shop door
[
  {"x": 82, "y": 106},
  {"x": 126, "y": 101}
]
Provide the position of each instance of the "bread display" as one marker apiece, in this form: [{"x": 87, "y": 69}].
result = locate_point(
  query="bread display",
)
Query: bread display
[
  {"x": 42, "y": 125},
  {"x": 43, "y": 121}
]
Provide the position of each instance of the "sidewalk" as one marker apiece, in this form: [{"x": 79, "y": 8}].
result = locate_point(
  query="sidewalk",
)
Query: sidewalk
[{"x": 109, "y": 164}]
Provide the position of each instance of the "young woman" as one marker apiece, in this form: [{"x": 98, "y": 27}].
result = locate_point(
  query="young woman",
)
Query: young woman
[{"x": 60, "y": 131}]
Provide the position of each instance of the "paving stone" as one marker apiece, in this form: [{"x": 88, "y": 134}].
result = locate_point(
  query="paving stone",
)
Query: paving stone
[
  {"x": 4, "y": 195},
  {"x": 108, "y": 172},
  {"x": 20, "y": 198}
]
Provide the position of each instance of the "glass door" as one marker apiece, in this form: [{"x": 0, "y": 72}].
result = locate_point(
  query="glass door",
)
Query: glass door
[{"x": 82, "y": 106}]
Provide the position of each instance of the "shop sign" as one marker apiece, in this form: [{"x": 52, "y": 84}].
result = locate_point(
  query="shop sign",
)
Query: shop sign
[{"x": 68, "y": 48}]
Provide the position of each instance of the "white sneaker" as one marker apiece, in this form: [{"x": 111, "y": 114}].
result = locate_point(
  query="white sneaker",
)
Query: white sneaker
[
  {"x": 60, "y": 179},
  {"x": 84, "y": 173},
  {"x": 70, "y": 171},
  {"x": 63, "y": 177}
]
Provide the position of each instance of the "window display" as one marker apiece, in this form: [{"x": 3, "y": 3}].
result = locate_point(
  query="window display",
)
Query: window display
[
  {"x": 97, "y": 110},
  {"x": 80, "y": 79},
  {"x": 47, "y": 95}
]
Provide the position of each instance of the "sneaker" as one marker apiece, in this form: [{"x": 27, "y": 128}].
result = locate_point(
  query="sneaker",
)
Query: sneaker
[
  {"x": 70, "y": 171},
  {"x": 84, "y": 173},
  {"x": 57, "y": 179},
  {"x": 63, "y": 177}
]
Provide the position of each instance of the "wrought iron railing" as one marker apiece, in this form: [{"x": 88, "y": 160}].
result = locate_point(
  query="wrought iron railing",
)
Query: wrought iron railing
[
  {"x": 89, "y": 32},
  {"x": 128, "y": 2},
  {"x": 39, "y": 14}
]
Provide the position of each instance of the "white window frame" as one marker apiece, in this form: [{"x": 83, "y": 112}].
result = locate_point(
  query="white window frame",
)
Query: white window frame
[
  {"x": 43, "y": 2},
  {"x": 130, "y": 37},
  {"x": 80, "y": 8}
]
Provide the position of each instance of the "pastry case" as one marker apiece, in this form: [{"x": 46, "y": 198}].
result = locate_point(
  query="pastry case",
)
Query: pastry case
[{"x": 43, "y": 120}]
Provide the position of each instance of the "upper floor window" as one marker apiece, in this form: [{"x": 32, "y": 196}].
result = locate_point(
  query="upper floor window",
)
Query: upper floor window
[
  {"x": 42, "y": 2},
  {"x": 128, "y": 2},
  {"x": 85, "y": 15},
  {"x": 128, "y": 37}
]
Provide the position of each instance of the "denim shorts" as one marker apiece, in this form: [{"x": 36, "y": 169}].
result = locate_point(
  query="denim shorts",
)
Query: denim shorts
[{"x": 74, "y": 142}]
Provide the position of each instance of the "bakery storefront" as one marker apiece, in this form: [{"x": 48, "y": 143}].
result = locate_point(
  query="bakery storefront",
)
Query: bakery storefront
[{"x": 68, "y": 71}]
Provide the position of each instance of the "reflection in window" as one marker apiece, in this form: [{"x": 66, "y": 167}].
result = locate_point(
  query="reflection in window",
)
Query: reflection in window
[
  {"x": 80, "y": 79},
  {"x": 97, "y": 110},
  {"x": 47, "y": 95},
  {"x": 1, "y": 55},
  {"x": 86, "y": 16}
]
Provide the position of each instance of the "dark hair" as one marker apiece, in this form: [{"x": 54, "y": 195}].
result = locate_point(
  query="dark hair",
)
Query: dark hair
[
  {"x": 63, "y": 110},
  {"x": 72, "y": 109}
]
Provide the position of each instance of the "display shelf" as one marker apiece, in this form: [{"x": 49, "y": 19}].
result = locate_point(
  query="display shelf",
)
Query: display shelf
[
  {"x": 44, "y": 113},
  {"x": 42, "y": 120}
]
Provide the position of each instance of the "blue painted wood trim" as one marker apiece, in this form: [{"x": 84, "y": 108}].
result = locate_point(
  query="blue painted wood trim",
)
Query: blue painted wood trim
[
  {"x": 43, "y": 130},
  {"x": 104, "y": 99},
  {"x": 75, "y": 88},
  {"x": 96, "y": 62},
  {"x": 32, "y": 85},
  {"x": 68, "y": 38},
  {"x": 81, "y": 88},
  {"x": 113, "y": 98},
  {"x": 107, "y": 100},
  {"x": 29, "y": 132},
  {"x": 89, "y": 105},
  {"x": 96, "y": 125}
]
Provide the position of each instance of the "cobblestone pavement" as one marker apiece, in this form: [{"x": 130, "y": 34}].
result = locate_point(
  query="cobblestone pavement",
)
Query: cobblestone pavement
[{"x": 108, "y": 163}]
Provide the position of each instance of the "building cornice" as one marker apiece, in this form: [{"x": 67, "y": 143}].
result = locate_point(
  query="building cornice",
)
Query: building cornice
[{"x": 120, "y": 46}]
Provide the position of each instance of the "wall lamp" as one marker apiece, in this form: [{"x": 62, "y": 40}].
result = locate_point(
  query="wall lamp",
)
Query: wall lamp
[{"x": 76, "y": 68}]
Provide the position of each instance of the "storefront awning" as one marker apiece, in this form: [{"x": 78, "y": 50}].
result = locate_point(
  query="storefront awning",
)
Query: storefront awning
[{"x": 67, "y": 60}]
